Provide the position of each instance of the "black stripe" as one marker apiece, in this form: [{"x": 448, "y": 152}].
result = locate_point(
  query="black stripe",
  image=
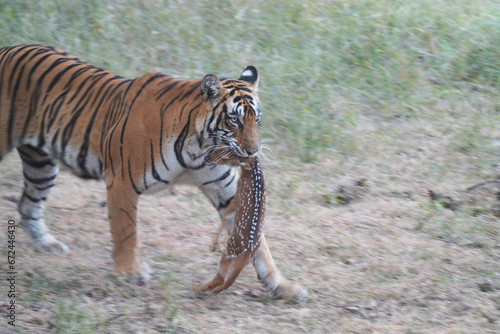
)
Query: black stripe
[
  {"x": 53, "y": 144},
  {"x": 119, "y": 111},
  {"x": 33, "y": 106},
  {"x": 180, "y": 141},
  {"x": 76, "y": 74},
  {"x": 131, "y": 179},
  {"x": 162, "y": 112},
  {"x": 70, "y": 127},
  {"x": 228, "y": 82},
  {"x": 108, "y": 120},
  {"x": 80, "y": 87},
  {"x": 10, "y": 127},
  {"x": 153, "y": 168},
  {"x": 128, "y": 215},
  {"x": 82, "y": 154},
  {"x": 31, "y": 110},
  {"x": 84, "y": 100},
  {"x": 200, "y": 166},
  {"x": 168, "y": 78},
  {"x": 90, "y": 90},
  {"x": 52, "y": 111},
  {"x": 213, "y": 114},
  {"x": 182, "y": 112},
  {"x": 221, "y": 178},
  {"x": 144, "y": 176},
  {"x": 33, "y": 199},
  {"x": 58, "y": 76},
  {"x": 39, "y": 181},
  {"x": 56, "y": 63},
  {"x": 45, "y": 187},
  {"x": 230, "y": 181},
  {"x": 154, "y": 77},
  {"x": 18, "y": 62},
  {"x": 179, "y": 145},
  {"x": 165, "y": 90},
  {"x": 189, "y": 92},
  {"x": 37, "y": 164},
  {"x": 219, "y": 119},
  {"x": 38, "y": 63},
  {"x": 128, "y": 237},
  {"x": 225, "y": 204}
]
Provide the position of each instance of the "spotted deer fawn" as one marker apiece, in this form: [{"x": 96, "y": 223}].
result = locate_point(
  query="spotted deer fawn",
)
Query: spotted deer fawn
[{"x": 249, "y": 206}]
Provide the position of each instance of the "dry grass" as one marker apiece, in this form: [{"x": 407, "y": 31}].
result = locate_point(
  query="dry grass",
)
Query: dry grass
[{"x": 389, "y": 261}]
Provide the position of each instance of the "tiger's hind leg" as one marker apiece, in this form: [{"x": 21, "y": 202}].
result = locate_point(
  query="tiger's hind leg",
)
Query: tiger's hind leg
[{"x": 39, "y": 177}]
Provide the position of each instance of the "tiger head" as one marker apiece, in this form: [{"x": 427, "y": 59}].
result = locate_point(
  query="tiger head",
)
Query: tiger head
[{"x": 233, "y": 117}]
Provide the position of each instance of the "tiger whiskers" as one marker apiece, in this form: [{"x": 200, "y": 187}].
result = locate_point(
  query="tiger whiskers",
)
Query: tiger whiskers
[
  {"x": 266, "y": 154},
  {"x": 225, "y": 154}
]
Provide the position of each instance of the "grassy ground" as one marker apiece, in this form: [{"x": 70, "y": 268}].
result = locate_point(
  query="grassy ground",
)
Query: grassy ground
[{"x": 367, "y": 106}]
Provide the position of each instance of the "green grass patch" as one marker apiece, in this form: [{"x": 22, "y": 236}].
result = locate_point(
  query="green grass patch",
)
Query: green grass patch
[
  {"x": 71, "y": 317},
  {"x": 384, "y": 58}
]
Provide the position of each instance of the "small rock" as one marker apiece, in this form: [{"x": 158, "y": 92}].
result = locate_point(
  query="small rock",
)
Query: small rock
[
  {"x": 349, "y": 261},
  {"x": 485, "y": 286},
  {"x": 37, "y": 320},
  {"x": 446, "y": 201}
]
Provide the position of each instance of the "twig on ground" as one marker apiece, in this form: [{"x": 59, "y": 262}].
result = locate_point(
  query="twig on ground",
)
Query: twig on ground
[
  {"x": 482, "y": 184},
  {"x": 354, "y": 308}
]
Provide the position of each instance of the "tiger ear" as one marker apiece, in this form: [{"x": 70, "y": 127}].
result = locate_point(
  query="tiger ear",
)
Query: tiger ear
[
  {"x": 251, "y": 76},
  {"x": 211, "y": 89}
]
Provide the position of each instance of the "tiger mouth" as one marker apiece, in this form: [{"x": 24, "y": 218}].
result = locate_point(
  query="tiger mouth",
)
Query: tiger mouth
[
  {"x": 221, "y": 154},
  {"x": 208, "y": 160},
  {"x": 227, "y": 156}
]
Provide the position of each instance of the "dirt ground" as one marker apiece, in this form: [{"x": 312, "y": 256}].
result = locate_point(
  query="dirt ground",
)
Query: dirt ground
[{"x": 360, "y": 232}]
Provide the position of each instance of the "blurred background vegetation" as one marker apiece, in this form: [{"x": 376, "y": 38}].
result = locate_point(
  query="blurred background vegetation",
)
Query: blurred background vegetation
[{"x": 322, "y": 63}]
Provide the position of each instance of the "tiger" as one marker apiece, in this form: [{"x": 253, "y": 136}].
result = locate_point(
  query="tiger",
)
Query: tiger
[{"x": 138, "y": 135}]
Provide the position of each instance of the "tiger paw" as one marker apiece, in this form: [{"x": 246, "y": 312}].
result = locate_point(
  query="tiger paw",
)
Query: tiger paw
[
  {"x": 42, "y": 239},
  {"x": 287, "y": 290},
  {"x": 49, "y": 244},
  {"x": 141, "y": 277}
]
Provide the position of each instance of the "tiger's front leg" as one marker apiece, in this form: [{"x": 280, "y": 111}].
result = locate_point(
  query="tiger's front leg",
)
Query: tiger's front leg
[
  {"x": 122, "y": 213},
  {"x": 271, "y": 278}
]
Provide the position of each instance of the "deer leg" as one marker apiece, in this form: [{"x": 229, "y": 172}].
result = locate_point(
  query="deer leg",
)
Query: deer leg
[
  {"x": 217, "y": 281},
  {"x": 228, "y": 272},
  {"x": 233, "y": 272}
]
